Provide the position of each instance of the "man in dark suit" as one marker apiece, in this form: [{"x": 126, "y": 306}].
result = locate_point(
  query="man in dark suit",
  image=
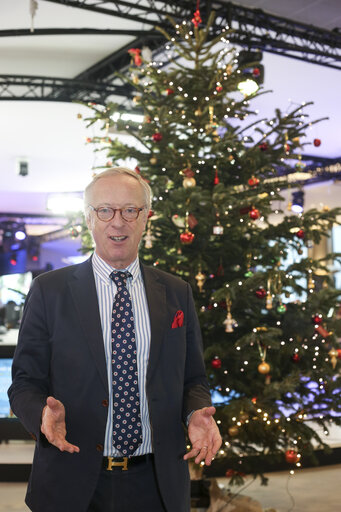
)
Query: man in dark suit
[{"x": 65, "y": 370}]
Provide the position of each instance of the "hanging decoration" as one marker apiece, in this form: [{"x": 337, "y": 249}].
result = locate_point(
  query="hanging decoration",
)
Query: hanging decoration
[
  {"x": 317, "y": 142},
  {"x": 135, "y": 54},
  {"x": 228, "y": 322},
  {"x": 148, "y": 238},
  {"x": 196, "y": 20},
  {"x": 292, "y": 456},
  {"x": 253, "y": 181},
  {"x": 186, "y": 237},
  {"x": 216, "y": 363},
  {"x": 263, "y": 367},
  {"x": 189, "y": 180},
  {"x": 216, "y": 180},
  {"x": 333, "y": 354},
  {"x": 200, "y": 278},
  {"x": 254, "y": 214},
  {"x": 218, "y": 229},
  {"x": 268, "y": 303}
]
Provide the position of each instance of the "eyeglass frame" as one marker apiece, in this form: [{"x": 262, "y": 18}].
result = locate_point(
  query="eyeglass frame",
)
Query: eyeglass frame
[{"x": 114, "y": 210}]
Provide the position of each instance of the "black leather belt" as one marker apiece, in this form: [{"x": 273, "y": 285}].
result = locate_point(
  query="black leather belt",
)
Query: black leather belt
[{"x": 124, "y": 463}]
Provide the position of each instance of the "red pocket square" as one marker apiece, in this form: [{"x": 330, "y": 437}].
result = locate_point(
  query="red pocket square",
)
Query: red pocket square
[{"x": 178, "y": 319}]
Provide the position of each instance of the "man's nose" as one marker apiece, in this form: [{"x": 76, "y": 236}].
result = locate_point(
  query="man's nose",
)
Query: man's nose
[{"x": 117, "y": 219}]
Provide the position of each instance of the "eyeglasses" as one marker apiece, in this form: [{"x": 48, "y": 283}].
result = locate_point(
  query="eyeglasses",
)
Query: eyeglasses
[{"x": 106, "y": 214}]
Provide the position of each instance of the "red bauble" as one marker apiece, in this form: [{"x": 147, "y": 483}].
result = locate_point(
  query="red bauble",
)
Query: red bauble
[
  {"x": 169, "y": 91},
  {"x": 256, "y": 72},
  {"x": 261, "y": 293},
  {"x": 317, "y": 319},
  {"x": 300, "y": 233},
  {"x": 186, "y": 237},
  {"x": 254, "y": 214},
  {"x": 295, "y": 357},
  {"x": 157, "y": 137},
  {"x": 150, "y": 214},
  {"x": 322, "y": 331},
  {"x": 216, "y": 362},
  {"x": 317, "y": 142},
  {"x": 291, "y": 456},
  {"x": 339, "y": 353},
  {"x": 253, "y": 182},
  {"x": 216, "y": 178},
  {"x": 264, "y": 146},
  {"x": 219, "y": 88}
]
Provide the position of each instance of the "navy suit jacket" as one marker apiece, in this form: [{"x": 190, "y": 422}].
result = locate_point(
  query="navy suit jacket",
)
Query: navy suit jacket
[{"x": 60, "y": 352}]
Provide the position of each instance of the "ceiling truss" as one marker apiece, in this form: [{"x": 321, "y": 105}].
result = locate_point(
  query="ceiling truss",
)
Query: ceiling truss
[{"x": 252, "y": 28}]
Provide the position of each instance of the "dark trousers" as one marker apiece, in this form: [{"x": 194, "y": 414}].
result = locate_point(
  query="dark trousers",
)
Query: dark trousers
[{"x": 134, "y": 490}]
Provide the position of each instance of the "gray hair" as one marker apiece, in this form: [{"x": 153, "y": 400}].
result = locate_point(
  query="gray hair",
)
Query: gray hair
[{"x": 113, "y": 171}]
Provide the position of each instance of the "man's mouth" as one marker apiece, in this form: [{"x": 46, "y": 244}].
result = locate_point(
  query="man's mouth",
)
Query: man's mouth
[{"x": 118, "y": 238}]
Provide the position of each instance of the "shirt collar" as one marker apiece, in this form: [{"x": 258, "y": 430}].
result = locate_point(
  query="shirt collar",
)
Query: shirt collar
[{"x": 103, "y": 269}]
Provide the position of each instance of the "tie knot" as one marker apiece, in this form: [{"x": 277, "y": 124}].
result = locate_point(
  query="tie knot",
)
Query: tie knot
[{"x": 120, "y": 277}]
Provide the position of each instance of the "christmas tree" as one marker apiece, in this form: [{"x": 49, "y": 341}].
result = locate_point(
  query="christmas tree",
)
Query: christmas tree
[{"x": 268, "y": 310}]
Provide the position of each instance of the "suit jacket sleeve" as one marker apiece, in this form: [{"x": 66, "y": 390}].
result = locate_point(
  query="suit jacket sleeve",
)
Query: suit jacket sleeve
[{"x": 30, "y": 370}]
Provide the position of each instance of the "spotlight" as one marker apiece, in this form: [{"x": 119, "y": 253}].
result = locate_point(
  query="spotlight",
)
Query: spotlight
[
  {"x": 252, "y": 71},
  {"x": 20, "y": 234},
  {"x": 297, "y": 201},
  {"x": 13, "y": 260}
]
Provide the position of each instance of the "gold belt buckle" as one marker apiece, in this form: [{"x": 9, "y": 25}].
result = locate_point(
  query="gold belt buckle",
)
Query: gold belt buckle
[{"x": 112, "y": 463}]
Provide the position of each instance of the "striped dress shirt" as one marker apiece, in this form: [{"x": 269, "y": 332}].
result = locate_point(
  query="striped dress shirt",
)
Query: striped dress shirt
[{"x": 106, "y": 291}]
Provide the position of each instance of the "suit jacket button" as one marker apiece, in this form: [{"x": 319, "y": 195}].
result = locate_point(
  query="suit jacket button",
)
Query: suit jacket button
[
  {"x": 99, "y": 447},
  {"x": 105, "y": 403}
]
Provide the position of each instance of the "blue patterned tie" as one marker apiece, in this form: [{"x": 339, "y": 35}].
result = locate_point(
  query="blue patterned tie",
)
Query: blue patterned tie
[{"x": 127, "y": 430}]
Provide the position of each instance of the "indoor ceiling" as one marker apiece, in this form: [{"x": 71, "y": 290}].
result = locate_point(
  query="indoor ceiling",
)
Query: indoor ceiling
[{"x": 50, "y": 135}]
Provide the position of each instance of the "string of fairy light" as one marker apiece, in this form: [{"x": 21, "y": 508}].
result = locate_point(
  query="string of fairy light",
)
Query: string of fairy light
[{"x": 202, "y": 161}]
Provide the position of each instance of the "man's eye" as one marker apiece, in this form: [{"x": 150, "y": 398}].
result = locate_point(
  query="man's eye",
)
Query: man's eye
[
  {"x": 130, "y": 210},
  {"x": 105, "y": 210}
]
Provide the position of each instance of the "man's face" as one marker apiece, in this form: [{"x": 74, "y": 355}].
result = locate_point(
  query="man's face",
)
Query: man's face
[{"x": 117, "y": 241}]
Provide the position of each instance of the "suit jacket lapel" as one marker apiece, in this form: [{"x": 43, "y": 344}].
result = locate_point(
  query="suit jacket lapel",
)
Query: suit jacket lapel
[
  {"x": 83, "y": 290},
  {"x": 156, "y": 298}
]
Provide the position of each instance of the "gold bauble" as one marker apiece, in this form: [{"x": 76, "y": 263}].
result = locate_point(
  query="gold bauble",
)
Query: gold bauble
[
  {"x": 263, "y": 368},
  {"x": 153, "y": 160},
  {"x": 233, "y": 431},
  {"x": 189, "y": 182}
]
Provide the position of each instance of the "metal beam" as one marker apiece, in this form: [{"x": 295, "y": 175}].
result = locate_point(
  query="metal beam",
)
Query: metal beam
[
  {"x": 253, "y": 28},
  {"x": 35, "y": 88}
]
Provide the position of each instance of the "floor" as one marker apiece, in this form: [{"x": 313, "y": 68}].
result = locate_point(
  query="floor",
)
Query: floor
[{"x": 309, "y": 490}]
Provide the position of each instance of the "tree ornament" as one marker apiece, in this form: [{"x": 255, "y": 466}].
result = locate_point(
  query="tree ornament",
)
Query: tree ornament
[
  {"x": 153, "y": 160},
  {"x": 196, "y": 16},
  {"x": 157, "y": 137},
  {"x": 300, "y": 234},
  {"x": 291, "y": 456},
  {"x": 263, "y": 146},
  {"x": 253, "y": 181},
  {"x": 295, "y": 357},
  {"x": 137, "y": 99},
  {"x": 317, "y": 319},
  {"x": 135, "y": 54},
  {"x": 187, "y": 237},
  {"x": 254, "y": 214},
  {"x": 281, "y": 308},
  {"x": 311, "y": 282},
  {"x": 135, "y": 79},
  {"x": 322, "y": 331},
  {"x": 233, "y": 431},
  {"x": 216, "y": 363},
  {"x": 317, "y": 142},
  {"x": 169, "y": 91},
  {"x": 219, "y": 87},
  {"x": 338, "y": 353},
  {"x": 201, "y": 278},
  {"x": 189, "y": 180},
  {"x": 211, "y": 126},
  {"x": 218, "y": 229},
  {"x": 198, "y": 112},
  {"x": 148, "y": 238},
  {"x": 228, "y": 322},
  {"x": 264, "y": 368},
  {"x": 268, "y": 302},
  {"x": 178, "y": 221},
  {"x": 260, "y": 293},
  {"x": 79, "y": 116},
  {"x": 216, "y": 178},
  {"x": 256, "y": 72}
]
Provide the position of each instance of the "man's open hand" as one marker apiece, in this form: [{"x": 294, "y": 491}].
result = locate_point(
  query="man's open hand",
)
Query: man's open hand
[
  {"x": 53, "y": 425},
  {"x": 204, "y": 436}
]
